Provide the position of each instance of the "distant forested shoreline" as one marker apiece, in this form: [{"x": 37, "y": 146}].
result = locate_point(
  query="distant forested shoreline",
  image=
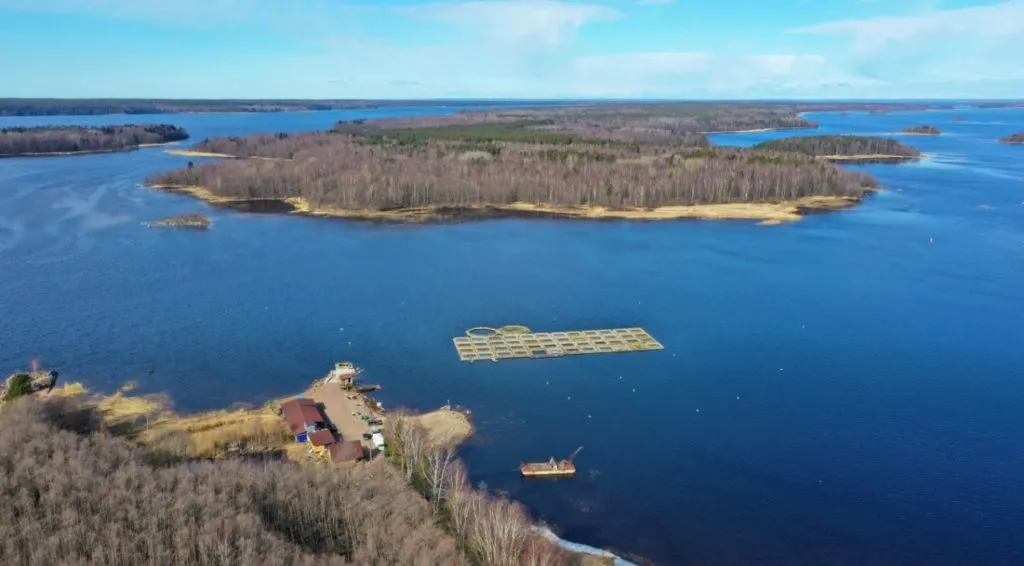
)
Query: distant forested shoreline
[
  {"x": 69, "y": 140},
  {"x": 98, "y": 106},
  {"x": 102, "y": 106}
]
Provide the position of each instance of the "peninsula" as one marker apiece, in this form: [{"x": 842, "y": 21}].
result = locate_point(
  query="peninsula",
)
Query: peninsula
[
  {"x": 921, "y": 131},
  {"x": 45, "y": 141},
  {"x": 139, "y": 483},
  {"x": 645, "y": 162},
  {"x": 1014, "y": 139},
  {"x": 844, "y": 148}
]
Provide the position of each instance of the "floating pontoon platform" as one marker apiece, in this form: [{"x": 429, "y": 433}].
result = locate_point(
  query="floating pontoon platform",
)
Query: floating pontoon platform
[{"x": 517, "y": 342}]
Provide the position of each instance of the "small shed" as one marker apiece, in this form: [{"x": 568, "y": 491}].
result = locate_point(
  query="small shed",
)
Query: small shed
[
  {"x": 348, "y": 451},
  {"x": 378, "y": 440},
  {"x": 321, "y": 438}
]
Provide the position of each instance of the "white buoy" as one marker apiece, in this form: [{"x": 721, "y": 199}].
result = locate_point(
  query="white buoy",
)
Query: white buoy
[
  {"x": 737, "y": 397},
  {"x": 569, "y": 398},
  {"x": 698, "y": 410},
  {"x": 634, "y": 390}
]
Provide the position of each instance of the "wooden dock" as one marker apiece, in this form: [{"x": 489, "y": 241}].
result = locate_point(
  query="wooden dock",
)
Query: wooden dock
[{"x": 490, "y": 344}]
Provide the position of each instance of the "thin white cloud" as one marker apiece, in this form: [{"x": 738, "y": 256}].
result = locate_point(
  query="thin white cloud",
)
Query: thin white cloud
[
  {"x": 1000, "y": 19},
  {"x": 643, "y": 63},
  {"x": 670, "y": 74},
  {"x": 523, "y": 23},
  {"x": 182, "y": 11},
  {"x": 786, "y": 64}
]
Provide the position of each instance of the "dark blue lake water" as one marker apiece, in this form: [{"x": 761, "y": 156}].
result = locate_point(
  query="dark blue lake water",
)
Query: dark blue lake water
[{"x": 843, "y": 390}]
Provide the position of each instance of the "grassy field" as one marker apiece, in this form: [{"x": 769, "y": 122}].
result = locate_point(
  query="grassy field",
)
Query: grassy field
[{"x": 148, "y": 420}]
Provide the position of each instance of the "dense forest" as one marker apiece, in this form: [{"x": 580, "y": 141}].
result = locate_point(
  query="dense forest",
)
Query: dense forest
[
  {"x": 922, "y": 130},
  {"x": 1017, "y": 138},
  {"x": 623, "y": 122},
  {"x": 74, "y": 494},
  {"x": 843, "y": 145},
  {"x": 72, "y": 139},
  {"x": 352, "y": 172}
]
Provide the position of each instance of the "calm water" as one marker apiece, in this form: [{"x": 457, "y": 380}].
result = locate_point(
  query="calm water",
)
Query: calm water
[{"x": 844, "y": 390}]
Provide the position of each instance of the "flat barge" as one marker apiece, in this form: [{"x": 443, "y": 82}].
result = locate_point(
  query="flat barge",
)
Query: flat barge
[{"x": 550, "y": 469}]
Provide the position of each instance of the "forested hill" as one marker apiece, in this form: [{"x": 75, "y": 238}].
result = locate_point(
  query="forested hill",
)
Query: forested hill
[
  {"x": 1017, "y": 138},
  {"x": 57, "y": 140},
  {"x": 827, "y": 146}
]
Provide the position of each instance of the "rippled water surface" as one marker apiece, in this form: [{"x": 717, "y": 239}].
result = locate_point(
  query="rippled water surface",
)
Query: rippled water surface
[{"x": 843, "y": 390}]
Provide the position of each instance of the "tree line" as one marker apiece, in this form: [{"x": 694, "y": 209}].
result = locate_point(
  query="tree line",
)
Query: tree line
[
  {"x": 85, "y": 106},
  {"x": 839, "y": 145},
  {"x": 342, "y": 171},
  {"x": 73, "y": 494},
  {"x": 71, "y": 139},
  {"x": 617, "y": 122},
  {"x": 491, "y": 531}
]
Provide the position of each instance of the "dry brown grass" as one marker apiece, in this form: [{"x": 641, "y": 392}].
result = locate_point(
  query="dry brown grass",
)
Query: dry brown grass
[
  {"x": 73, "y": 389},
  {"x": 149, "y": 420},
  {"x": 444, "y": 427}
]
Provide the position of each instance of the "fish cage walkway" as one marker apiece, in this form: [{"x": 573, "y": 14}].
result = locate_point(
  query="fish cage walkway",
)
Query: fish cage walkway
[{"x": 520, "y": 343}]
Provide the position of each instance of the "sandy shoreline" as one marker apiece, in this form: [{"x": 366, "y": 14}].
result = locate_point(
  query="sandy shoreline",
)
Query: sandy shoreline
[
  {"x": 192, "y": 153},
  {"x": 870, "y": 158},
  {"x": 767, "y": 212}
]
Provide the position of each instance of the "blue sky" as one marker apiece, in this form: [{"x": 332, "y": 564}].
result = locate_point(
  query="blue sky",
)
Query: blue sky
[{"x": 512, "y": 48}]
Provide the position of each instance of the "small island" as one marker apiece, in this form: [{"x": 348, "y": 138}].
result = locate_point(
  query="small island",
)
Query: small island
[
  {"x": 45, "y": 141},
  {"x": 844, "y": 148},
  {"x": 188, "y": 220},
  {"x": 641, "y": 162},
  {"x": 1014, "y": 139},
  {"x": 921, "y": 131}
]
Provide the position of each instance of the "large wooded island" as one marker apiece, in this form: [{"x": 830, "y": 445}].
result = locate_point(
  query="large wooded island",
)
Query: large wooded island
[
  {"x": 72, "y": 140},
  {"x": 649, "y": 161}
]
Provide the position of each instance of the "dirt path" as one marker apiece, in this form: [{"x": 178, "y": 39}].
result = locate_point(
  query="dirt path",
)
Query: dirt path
[{"x": 339, "y": 408}]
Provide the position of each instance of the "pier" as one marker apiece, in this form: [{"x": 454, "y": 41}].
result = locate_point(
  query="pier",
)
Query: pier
[{"x": 518, "y": 342}]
